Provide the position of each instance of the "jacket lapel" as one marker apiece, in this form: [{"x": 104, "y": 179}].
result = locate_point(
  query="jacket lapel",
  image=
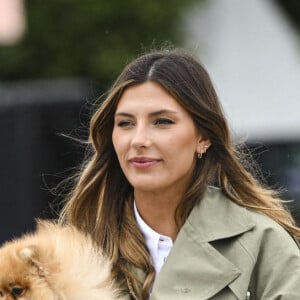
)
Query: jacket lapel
[{"x": 194, "y": 269}]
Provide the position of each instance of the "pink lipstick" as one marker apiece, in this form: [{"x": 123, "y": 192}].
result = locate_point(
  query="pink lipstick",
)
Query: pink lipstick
[{"x": 144, "y": 162}]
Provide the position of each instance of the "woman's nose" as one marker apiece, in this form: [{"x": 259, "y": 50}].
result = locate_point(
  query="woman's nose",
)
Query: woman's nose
[{"x": 141, "y": 138}]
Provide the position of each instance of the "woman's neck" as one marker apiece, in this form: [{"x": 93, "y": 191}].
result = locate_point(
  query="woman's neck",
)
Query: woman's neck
[{"x": 158, "y": 211}]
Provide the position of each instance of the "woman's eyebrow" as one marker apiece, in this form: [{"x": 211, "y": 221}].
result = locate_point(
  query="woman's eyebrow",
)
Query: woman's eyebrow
[
  {"x": 152, "y": 114},
  {"x": 161, "y": 112},
  {"x": 124, "y": 114}
]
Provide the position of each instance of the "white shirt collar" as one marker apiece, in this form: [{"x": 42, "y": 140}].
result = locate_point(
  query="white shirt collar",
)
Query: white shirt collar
[{"x": 158, "y": 245}]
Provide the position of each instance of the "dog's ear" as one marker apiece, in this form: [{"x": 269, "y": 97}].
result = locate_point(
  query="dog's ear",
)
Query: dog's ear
[{"x": 30, "y": 255}]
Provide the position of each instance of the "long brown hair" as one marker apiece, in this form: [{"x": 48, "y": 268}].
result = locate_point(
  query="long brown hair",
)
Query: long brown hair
[{"x": 102, "y": 199}]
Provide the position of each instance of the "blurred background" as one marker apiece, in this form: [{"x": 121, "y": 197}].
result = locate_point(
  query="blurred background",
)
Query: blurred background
[{"x": 58, "y": 56}]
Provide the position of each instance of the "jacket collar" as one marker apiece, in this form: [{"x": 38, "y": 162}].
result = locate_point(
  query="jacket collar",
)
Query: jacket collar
[
  {"x": 216, "y": 217},
  {"x": 194, "y": 269}
]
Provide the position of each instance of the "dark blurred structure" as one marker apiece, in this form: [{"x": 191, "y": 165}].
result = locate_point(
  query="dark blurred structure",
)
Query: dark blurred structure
[
  {"x": 33, "y": 153},
  {"x": 292, "y": 9},
  {"x": 279, "y": 163}
]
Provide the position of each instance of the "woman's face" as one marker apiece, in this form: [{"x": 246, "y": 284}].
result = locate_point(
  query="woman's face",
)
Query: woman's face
[{"x": 155, "y": 139}]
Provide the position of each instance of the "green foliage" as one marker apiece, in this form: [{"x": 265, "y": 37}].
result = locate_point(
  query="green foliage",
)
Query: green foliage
[{"x": 90, "y": 38}]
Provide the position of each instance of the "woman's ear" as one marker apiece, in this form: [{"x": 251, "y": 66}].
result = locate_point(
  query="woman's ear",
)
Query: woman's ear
[{"x": 203, "y": 145}]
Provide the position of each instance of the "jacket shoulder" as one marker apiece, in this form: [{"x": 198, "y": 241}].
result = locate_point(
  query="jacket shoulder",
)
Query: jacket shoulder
[{"x": 260, "y": 225}]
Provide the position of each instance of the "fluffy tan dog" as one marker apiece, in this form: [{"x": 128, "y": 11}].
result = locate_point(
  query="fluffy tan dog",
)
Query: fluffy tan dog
[{"x": 54, "y": 263}]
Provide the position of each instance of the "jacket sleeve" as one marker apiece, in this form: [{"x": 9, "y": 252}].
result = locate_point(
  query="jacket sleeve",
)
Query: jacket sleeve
[{"x": 276, "y": 275}]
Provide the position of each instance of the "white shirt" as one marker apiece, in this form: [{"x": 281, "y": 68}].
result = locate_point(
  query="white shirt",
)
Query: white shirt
[{"x": 158, "y": 245}]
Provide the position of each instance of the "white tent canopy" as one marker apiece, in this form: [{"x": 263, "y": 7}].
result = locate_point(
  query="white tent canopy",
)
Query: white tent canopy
[{"x": 253, "y": 56}]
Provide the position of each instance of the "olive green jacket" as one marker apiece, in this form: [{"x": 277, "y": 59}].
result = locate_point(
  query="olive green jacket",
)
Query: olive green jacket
[{"x": 225, "y": 251}]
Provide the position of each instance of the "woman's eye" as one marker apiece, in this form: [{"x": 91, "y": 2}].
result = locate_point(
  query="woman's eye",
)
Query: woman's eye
[
  {"x": 124, "y": 123},
  {"x": 163, "y": 121}
]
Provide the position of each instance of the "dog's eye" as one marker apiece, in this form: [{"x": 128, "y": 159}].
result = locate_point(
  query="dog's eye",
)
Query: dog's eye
[{"x": 17, "y": 291}]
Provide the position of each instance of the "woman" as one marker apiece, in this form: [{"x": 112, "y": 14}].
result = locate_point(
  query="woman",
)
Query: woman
[{"x": 160, "y": 141}]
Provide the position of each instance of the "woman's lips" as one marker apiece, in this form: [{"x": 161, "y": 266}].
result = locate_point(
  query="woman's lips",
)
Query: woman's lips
[{"x": 144, "y": 162}]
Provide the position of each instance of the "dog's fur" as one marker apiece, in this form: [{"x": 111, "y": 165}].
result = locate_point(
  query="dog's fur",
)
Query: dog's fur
[{"x": 55, "y": 263}]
